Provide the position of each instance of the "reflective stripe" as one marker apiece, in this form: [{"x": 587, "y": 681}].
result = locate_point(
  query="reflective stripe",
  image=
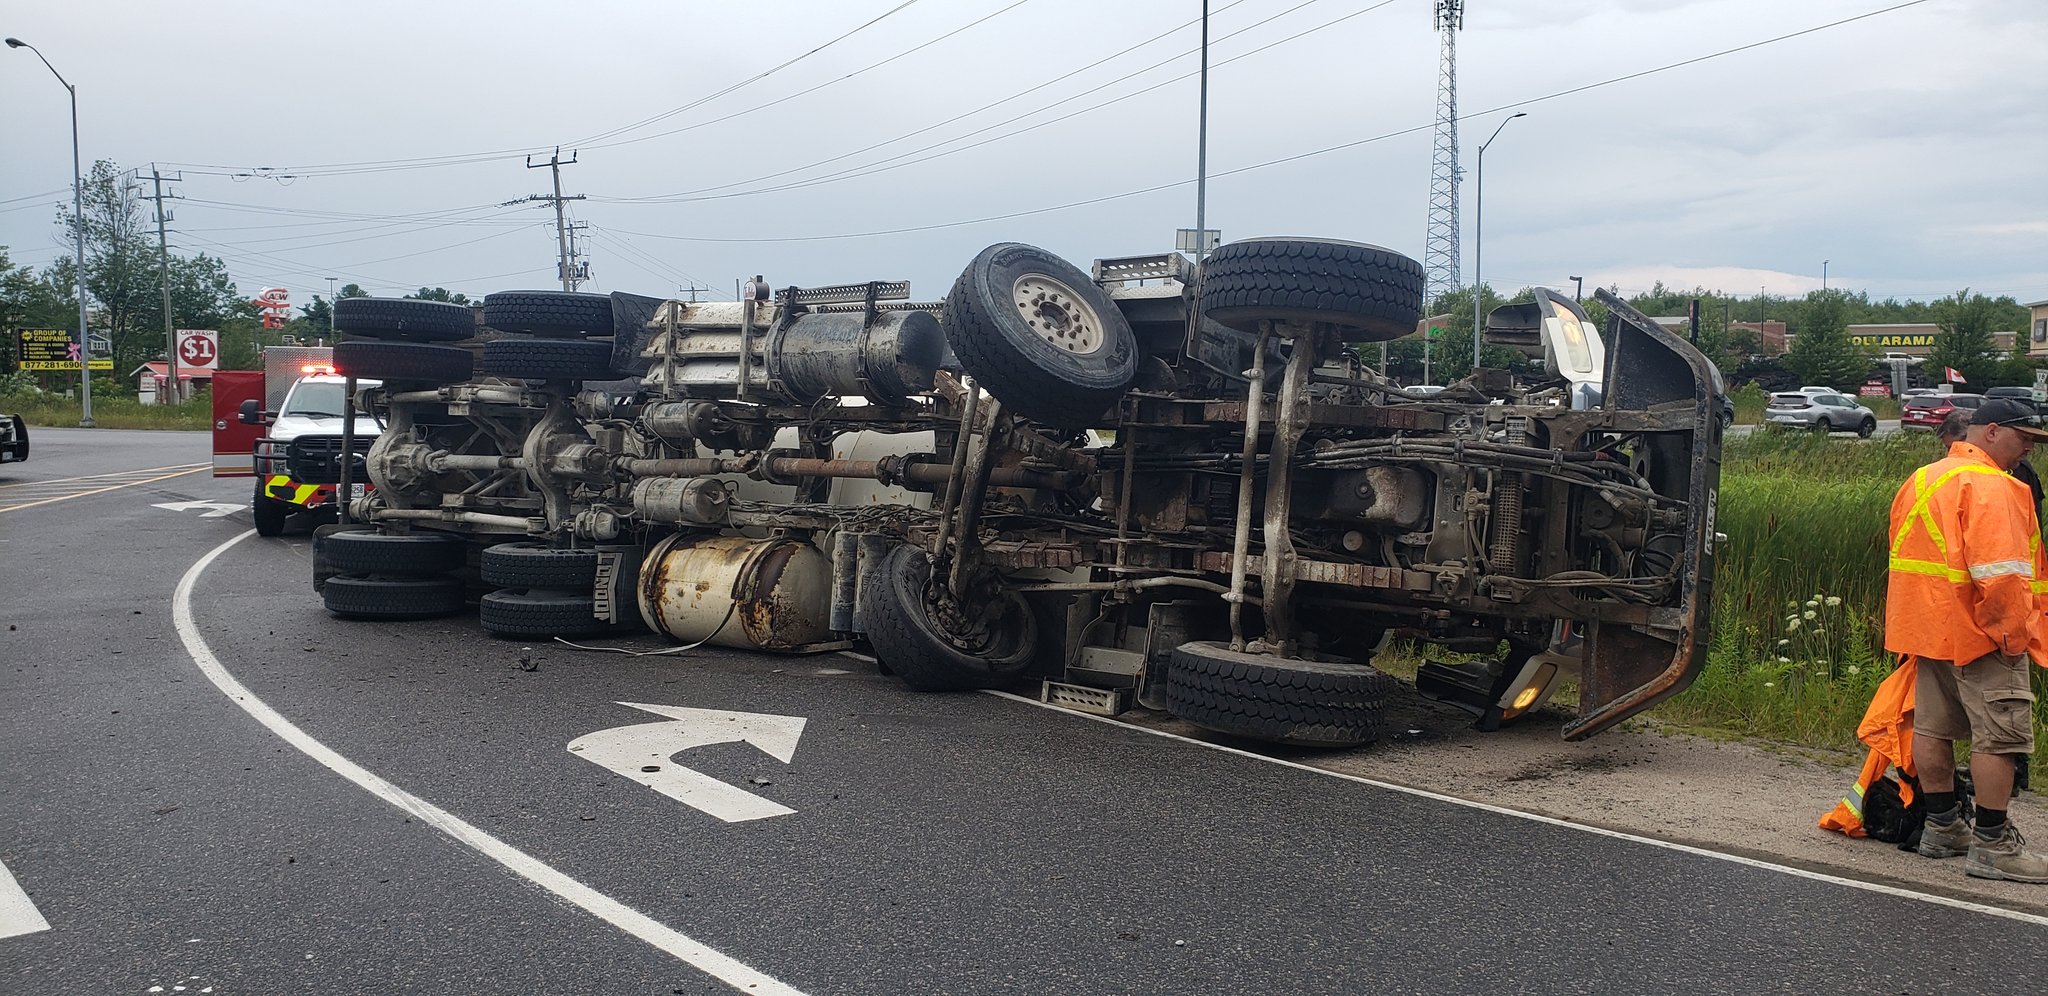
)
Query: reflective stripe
[
  {"x": 1933, "y": 568},
  {"x": 1853, "y": 803},
  {"x": 1923, "y": 494},
  {"x": 300, "y": 493},
  {"x": 2001, "y": 568}
]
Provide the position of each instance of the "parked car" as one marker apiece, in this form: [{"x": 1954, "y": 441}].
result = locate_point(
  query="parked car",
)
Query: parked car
[
  {"x": 1928, "y": 411},
  {"x": 2025, "y": 395},
  {"x": 1830, "y": 412}
]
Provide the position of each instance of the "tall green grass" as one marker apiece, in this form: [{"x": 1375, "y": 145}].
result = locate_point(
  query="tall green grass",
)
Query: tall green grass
[
  {"x": 1798, "y": 638},
  {"x": 113, "y": 411}
]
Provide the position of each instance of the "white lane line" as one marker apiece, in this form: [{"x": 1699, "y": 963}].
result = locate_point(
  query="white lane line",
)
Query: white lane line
[
  {"x": 112, "y": 474},
  {"x": 1925, "y": 897},
  {"x": 713, "y": 963},
  {"x": 18, "y": 915},
  {"x": 99, "y": 491}
]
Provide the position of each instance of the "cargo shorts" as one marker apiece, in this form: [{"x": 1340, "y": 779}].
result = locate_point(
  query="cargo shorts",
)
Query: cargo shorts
[{"x": 1987, "y": 702}]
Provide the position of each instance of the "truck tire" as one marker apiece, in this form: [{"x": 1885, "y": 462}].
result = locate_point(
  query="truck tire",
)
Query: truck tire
[
  {"x": 548, "y": 359},
  {"x": 402, "y": 361},
  {"x": 268, "y": 512},
  {"x": 549, "y": 313},
  {"x": 363, "y": 596},
  {"x": 1281, "y": 700},
  {"x": 1371, "y": 294},
  {"x": 400, "y": 318},
  {"x": 1040, "y": 336},
  {"x": 538, "y": 565},
  {"x": 540, "y": 612},
  {"x": 421, "y": 554},
  {"x": 912, "y": 645},
  {"x": 322, "y": 569}
]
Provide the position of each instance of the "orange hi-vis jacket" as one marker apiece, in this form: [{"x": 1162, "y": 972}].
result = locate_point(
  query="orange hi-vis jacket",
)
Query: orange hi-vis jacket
[
  {"x": 1887, "y": 729},
  {"x": 1967, "y": 575}
]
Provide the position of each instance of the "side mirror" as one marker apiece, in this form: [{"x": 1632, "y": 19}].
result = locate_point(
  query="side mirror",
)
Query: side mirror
[{"x": 251, "y": 412}]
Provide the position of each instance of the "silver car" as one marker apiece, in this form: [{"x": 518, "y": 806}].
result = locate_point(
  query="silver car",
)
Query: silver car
[{"x": 1829, "y": 412}]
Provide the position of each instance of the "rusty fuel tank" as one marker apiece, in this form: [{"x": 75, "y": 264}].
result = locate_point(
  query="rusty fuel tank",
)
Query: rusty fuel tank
[{"x": 732, "y": 591}]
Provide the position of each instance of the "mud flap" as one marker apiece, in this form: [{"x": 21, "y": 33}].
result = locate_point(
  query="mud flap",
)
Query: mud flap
[{"x": 1667, "y": 386}]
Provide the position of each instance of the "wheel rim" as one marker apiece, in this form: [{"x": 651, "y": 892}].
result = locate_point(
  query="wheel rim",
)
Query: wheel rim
[{"x": 1056, "y": 314}]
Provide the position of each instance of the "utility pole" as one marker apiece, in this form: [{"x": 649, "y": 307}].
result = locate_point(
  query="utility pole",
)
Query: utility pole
[
  {"x": 555, "y": 164},
  {"x": 693, "y": 290},
  {"x": 172, "y": 390}
]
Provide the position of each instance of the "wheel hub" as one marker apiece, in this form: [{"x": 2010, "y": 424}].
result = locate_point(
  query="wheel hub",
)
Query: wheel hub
[{"x": 1052, "y": 310}]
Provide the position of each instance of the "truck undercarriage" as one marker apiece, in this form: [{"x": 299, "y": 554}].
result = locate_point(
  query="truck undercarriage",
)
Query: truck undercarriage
[{"x": 1151, "y": 484}]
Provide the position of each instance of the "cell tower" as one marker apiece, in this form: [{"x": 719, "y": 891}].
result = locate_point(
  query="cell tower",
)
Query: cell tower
[{"x": 1440, "y": 249}]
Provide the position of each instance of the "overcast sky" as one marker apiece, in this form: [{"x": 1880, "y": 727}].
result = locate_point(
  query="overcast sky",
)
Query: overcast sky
[{"x": 1909, "y": 149}]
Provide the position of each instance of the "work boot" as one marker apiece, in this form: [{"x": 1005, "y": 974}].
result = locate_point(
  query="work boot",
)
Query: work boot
[
  {"x": 2005, "y": 856},
  {"x": 1945, "y": 838}
]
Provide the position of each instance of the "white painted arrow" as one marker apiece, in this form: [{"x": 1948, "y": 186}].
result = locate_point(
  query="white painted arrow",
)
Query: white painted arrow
[
  {"x": 17, "y": 914},
  {"x": 627, "y": 749},
  {"x": 214, "y": 509}
]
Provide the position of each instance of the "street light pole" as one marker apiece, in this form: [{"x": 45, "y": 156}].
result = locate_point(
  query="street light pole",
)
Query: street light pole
[
  {"x": 330, "y": 310},
  {"x": 78, "y": 232},
  {"x": 1478, "y": 216},
  {"x": 1578, "y": 288},
  {"x": 1823, "y": 274}
]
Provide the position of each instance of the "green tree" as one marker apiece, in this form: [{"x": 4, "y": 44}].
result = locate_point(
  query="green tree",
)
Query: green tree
[
  {"x": 438, "y": 294},
  {"x": 1968, "y": 322},
  {"x": 1821, "y": 351},
  {"x": 319, "y": 317},
  {"x": 351, "y": 290},
  {"x": 125, "y": 274},
  {"x": 29, "y": 302}
]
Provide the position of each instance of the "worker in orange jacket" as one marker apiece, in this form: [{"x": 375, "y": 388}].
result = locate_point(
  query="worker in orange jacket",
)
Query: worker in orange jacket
[{"x": 1965, "y": 594}]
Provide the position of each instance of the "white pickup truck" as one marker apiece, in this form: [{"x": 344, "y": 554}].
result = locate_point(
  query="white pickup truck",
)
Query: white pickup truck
[{"x": 296, "y": 458}]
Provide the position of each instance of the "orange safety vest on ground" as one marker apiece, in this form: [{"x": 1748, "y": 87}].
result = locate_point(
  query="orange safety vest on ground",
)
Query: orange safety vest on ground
[
  {"x": 1887, "y": 728},
  {"x": 1966, "y": 572}
]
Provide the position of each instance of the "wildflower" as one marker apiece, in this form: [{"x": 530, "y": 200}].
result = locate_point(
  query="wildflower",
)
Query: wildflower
[
  {"x": 1834, "y": 601},
  {"x": 1808, "y": 614},
  {"x": 1813, "y": 603},
  {"x": 1852, "y": 669},
  {"x": 1792, "y": 625},
  {"x": 1818, "y": 631},
  {"x": 1784, "y": 643}
]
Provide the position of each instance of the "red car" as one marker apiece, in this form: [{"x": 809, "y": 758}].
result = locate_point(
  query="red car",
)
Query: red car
[{"x": 1929, "y": 410}]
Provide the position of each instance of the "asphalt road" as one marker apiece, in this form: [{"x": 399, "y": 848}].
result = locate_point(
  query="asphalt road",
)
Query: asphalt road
[{"x": 412, "y": 818}]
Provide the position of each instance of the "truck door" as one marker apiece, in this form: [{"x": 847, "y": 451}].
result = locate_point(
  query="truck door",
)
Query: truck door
[{"x": 234, "y": 444}]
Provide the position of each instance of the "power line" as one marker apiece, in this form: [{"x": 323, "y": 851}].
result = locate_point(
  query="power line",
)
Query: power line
[
  {"x": 498, "y": 155},
  {"x": 812, "y": 89},
  {"x": 684, "y": 195},
  {"x": 881, "y": 165},
  {"x": 756, "y": 78},
  {"x": 1293, "y": 158}
]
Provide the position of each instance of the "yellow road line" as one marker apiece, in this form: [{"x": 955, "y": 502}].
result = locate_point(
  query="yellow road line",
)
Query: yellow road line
[
  {"x": 96, "y": 477},
  {"x": 98, "y": 491}
]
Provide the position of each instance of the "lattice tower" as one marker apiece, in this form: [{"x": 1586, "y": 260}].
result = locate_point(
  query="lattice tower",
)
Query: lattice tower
[{"x": 1440, "y": 258}]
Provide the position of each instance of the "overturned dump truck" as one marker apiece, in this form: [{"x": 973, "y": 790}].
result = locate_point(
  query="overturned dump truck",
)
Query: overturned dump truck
[{"x": 1154, "y": 484}]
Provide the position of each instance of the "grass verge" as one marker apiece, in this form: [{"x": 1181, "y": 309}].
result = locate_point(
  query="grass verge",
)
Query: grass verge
[{"x": 119, "y": 411}]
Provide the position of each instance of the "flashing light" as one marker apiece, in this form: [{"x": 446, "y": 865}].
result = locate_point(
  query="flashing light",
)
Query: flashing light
[{"x": 315, "y": 368}]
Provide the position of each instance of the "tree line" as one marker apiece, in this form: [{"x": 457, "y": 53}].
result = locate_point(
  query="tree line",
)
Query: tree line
[{"x": 124, "y": 277}]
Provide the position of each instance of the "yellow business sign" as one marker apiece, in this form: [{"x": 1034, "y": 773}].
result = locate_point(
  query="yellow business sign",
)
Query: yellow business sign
[
  {"x": 1894, "y": 340},
  {"x": 52, "y": 349}
]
